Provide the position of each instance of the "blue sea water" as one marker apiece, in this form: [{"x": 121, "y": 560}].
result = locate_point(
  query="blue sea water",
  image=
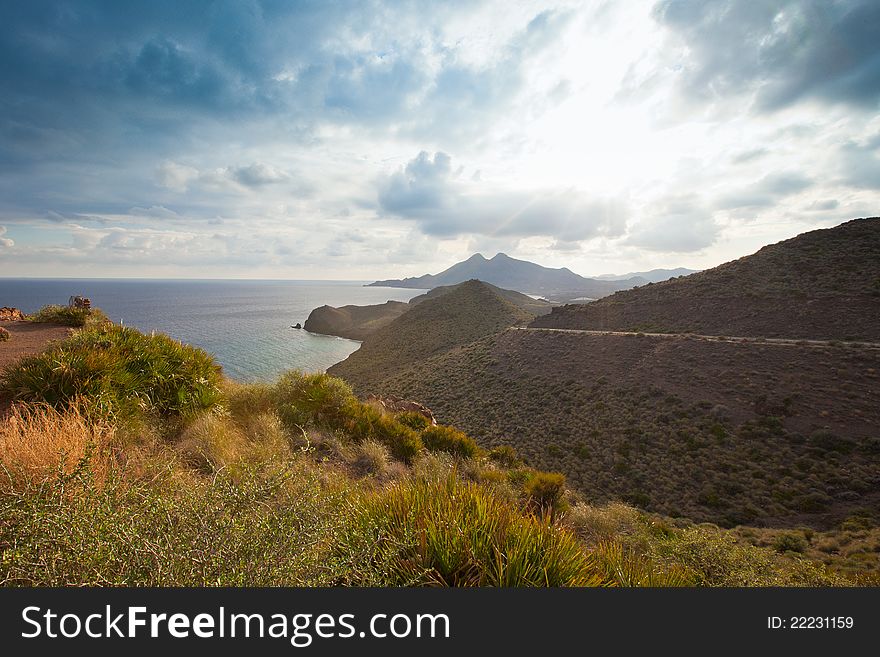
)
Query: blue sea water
[{"x": 245, "y": 324}]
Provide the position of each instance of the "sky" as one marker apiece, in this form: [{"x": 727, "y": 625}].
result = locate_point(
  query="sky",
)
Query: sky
[{"x": 363, "y": 140}]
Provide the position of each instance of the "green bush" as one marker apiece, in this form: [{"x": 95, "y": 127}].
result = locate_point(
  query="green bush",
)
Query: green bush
[
  {"x": 415, "y": 421},
  {"x": 450, "y": 533},
  {"x": 114, "y": 370},
  {"x": 312, "y": 399},
  {"x": 68, "y": 316},
  {"x": 447, "y": 439},
  {"x": 403, "y": 443},
  {"x": 505, "y": 455},
  {"x": 362, "y": 422},
  {"x": 790, "y": 542},
  {"x": 545, "y": 491}
]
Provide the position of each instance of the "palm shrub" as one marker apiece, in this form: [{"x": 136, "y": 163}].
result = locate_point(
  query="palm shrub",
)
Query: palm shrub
[
  {"x": 412, "y": 419},
  {"x": 545, "y": 492},
  {"x": 68, "y": 316},
  {"x": 312, "y": 399},
  {"x": 452, "y": 533},
  {"x": 117, "y": 371},
  {"x": 448, "y": 439},
  {"x": 364, "y": 422}
]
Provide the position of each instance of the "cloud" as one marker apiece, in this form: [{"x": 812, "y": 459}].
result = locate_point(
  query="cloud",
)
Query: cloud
[
  {"x": 428, "y": 191},
  {"x": 780, "y": 52},
  {"x": 257, "y": 175},
  {"x": 180, "y": 178},
  {"x": 675, "y": 224},
  {"x": 5, "y": 242},
  {"x": 859, "y": 163},
  {"x": 765, "y": 192},
  {"x": 154, "y": 211},
  {"x": 176, "y": 176}
]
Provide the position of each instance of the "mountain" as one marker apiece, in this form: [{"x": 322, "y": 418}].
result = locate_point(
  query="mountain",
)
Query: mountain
[
  {"x": 353, "y": 322},
  {"x": 824, "y": 284},
  {"x": 653, "y": 276},
  {"x": 512, "y": 274},
  {"x": 761, "y": 433},
  {"x": 357, "y": 322},
  {"x": 464, "y": 314}
]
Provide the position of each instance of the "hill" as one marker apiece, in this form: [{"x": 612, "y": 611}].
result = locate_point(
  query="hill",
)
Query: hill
[
  {"x": 462, "y": 315},
  {"x": 353, "y": 322},
  {"x": 357, "y": 322},
  {"x": 824, "y": 284},
  {"x": 760, "y": 433},
  {"x": 512, "y": 274},
  {"x": 771, "y": 435},
  {"x": 652, "y": 276}
]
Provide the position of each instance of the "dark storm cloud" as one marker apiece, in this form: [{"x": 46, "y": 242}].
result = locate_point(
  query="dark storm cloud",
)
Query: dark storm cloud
[
  {"x": 429, "y": 191},
  {"x": 783, "y": 51}
]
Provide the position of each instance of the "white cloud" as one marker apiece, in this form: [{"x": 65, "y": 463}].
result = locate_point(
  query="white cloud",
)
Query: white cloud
[{"x": 5, "y": 242}]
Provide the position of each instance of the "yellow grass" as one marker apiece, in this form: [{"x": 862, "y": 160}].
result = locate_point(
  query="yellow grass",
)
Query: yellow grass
[{"x": 38, "y": 442}]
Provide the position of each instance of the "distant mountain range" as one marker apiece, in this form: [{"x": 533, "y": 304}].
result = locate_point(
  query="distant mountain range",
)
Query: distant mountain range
[
  {"x": 653, "y": 276},
  {"x": 527, "y": 277}
]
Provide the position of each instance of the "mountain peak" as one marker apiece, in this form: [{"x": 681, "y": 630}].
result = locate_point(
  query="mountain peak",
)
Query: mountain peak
[
  {"x": 501, "y": 256},
  {"x": 476, "y": 257}
]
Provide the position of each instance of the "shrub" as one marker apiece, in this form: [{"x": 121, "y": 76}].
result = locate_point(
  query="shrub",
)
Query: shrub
[
  {"x": 68, "y": 316},
  {"x": 790, "y": 542},
  {"x": 413, "y": 420},
  {"x": 447, "y": 439},
  {"x": 4, "y": 334},
  {"x": 713, "y": 557},
  {"x": 505, "y": 455},
  {"x": 246, "y": 400},
  {"x": 372, "y": 458},
  {"x": 627, "y": 568},
  {"x": 403, "y": 442},
  {"x": 451, "y": 533},
  {"x": 212, "y": 442},
  {"x": 545, "y": 492},
  {"x": 118, "y": 371},
  {"x": 312, "y": 399},
  {"x": 364, "y": 422}
]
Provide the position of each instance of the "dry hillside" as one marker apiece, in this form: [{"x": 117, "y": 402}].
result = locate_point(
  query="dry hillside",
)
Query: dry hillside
[
  {"x": 730, "y": 433},
  {"x": 824, "y": 284},
  {"x": 469, "y": 312}
]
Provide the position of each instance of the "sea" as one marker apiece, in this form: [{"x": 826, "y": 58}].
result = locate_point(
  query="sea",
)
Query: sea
[{"x": 245, "y": 324}]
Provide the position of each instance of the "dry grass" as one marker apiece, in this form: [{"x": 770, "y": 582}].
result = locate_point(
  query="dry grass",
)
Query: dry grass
[{"x": 39, "y": 442}]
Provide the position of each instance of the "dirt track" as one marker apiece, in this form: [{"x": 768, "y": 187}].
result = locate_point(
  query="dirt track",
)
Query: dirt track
[
  {"x": 716, "y": 338},
  {"x": 27, "y": 338}
]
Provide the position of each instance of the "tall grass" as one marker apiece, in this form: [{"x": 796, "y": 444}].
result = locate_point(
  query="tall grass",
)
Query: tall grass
[
  {"x": 450, "y": 533},
  {"x": 39, "y": 443},
  {"x": 448, "y": 439},
  {"x": 257, "y": 529}
]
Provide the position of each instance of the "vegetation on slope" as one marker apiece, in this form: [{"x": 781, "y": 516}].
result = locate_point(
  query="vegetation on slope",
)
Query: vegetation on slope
[
  {"x": 777, "y": 436},
  {"x": 68, "y": 316},
  {"x": 359, "y": 322},
  {"x": 820, "y": 285},
  {"x": 296, "y": 483},
  {"x": 470, "y": 311}
]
